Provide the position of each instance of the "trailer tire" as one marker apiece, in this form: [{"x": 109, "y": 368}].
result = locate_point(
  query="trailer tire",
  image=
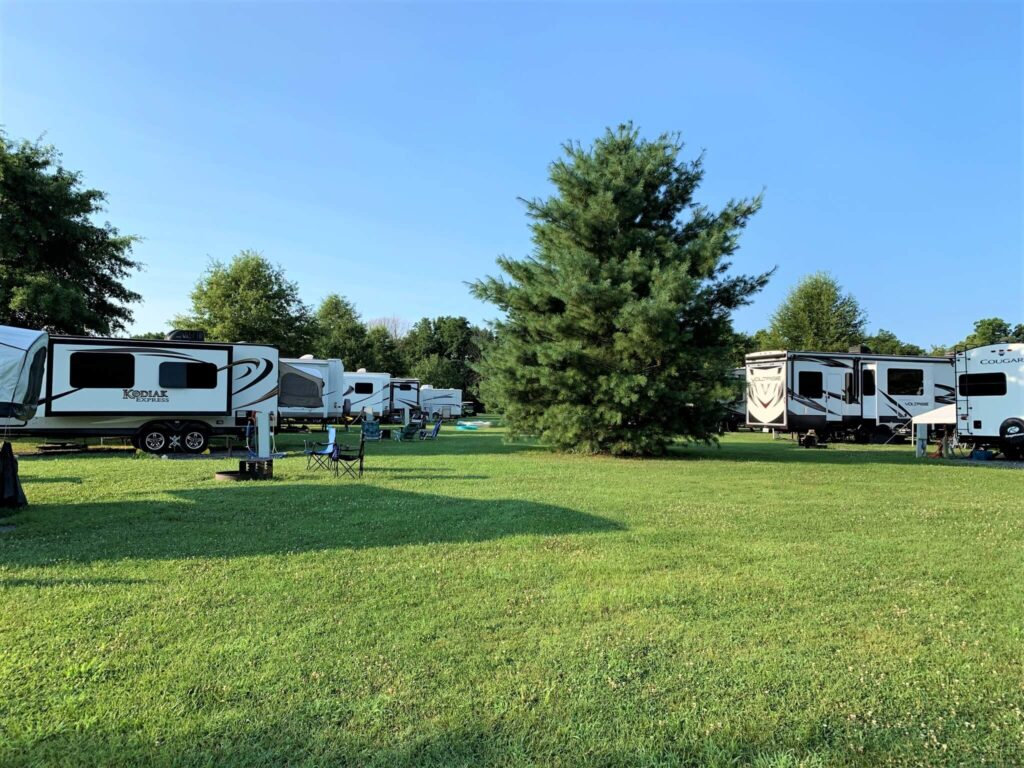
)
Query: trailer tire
[
  {"x": 195, "y": 438},
  {"x": 1011, "y": 432},
  {"x": 152, "y": 438}
]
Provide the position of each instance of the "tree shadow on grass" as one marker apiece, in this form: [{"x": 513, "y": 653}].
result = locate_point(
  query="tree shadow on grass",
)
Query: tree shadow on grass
[
  {"x": 273, "y": 517},
  {"x": 786, "y": 452}
]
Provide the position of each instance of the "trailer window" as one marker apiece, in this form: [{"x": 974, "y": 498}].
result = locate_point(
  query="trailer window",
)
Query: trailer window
[
  {"x": 404, "y": 387},
  {"x": 810, "y": 384},
  {"x": 983, "y": 384},
  {"x": 188, "y": 376},
  {"x": 906, "y": 381},
  {"x": 867, "y": 383},
  {"x": 364, "y": 388},
  {"x": 101, "y": 370}
]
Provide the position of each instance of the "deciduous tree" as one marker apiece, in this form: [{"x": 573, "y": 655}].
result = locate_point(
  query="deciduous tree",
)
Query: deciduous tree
[
  {"x": 816, "y": 315},
  {"x": 59, "y": 270}
]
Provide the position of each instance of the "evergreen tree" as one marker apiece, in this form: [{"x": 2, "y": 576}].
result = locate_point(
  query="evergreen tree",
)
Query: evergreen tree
[
  {"x": 617, "y": 336},
  {"x": 816, "y": 315},
  {"x": 59, "y": 271}
]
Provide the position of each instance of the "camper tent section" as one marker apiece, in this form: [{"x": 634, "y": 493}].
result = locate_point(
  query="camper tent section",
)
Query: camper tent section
[
  {"x": 312, "y": 391},
  {"x": 367, "y": 391},
  {"x": 869, "y": 396},
  {"x": 990, "y": 397},
  {"x": 164, "y": 395},
  {"x": 441, "y": 403},
  {"x": 22, "y": 366}
]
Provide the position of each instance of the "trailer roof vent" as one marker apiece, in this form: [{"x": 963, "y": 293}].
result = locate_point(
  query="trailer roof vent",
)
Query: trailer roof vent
[
  {"x": 185, "y": 334},
  {"x": 860, "y": 349}
]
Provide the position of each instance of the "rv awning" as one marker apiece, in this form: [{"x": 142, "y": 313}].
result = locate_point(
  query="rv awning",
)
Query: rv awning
[
  {"x": 945, "y": 414},
  {"x": 22, "y": 361}
]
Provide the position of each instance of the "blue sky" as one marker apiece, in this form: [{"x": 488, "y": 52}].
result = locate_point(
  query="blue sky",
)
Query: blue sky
[{"x": 378, "y": 150}]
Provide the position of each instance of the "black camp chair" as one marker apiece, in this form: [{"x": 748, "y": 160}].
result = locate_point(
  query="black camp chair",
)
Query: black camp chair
[{"x": 346, "y": 458}]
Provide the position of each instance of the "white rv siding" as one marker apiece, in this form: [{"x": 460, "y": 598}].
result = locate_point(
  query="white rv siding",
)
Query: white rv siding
[
  {"x": 445, "y": 402},
  {"x": 367, "y": 391},
  {"x": 990, "y": 395}
]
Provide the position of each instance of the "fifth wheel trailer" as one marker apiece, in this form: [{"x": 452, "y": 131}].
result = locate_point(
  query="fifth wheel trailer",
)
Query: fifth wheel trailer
[
  {"x": 990, "y": 397},
  {"x": 865, "y": 395},
  {"x": 163, "y": 395}
]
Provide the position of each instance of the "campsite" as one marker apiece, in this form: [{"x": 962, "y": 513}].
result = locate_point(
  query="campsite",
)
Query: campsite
[
  {"x": 527, "y": 385},
  {"x": 474, "y": 601}
]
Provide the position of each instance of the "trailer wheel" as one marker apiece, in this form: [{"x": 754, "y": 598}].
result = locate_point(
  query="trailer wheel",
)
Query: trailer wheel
[
  {"x": 152, "y": 439},
  {"x": 195, "y": 438}
]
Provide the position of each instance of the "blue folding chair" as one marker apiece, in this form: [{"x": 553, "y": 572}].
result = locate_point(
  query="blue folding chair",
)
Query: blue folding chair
[
  {"x": 432, "y": 435},
  {"x": 320, "y": 455}
]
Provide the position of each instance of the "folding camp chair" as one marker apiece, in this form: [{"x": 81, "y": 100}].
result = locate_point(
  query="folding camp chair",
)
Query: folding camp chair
[
  {"x": 371, "y": 430},
  {"x": 408, "y": 432},
  {"x": 432, "y": 434},
  {"x": 321, "y": 457},
  {"x": 346, "y": 458}
]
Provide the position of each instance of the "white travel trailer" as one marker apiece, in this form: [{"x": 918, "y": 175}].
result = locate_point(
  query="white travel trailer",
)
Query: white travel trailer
[
  {"x": 312, "y": 391},
  {"x": 22, "y": 368},
  {"x": 990, "y": 397},
  {"x": 441, "y": 403},
  {"x": 170, "y": 395},
  {"x": 403, "y": 399},
  {"x": 859, "y": 393},
  {"x": 368, "y": 391}
]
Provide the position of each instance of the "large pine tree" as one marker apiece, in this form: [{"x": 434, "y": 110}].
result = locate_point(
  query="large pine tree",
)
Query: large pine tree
[{"x": 617, "y": 335}]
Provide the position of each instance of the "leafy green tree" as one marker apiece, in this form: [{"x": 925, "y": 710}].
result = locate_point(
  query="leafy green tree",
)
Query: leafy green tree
[
  {"x": 382, "y": 352},
  {"x": 993, "y": 330},
  {"x": 149, "y": 336},
  {"x": 59, "y": 271},
  {"x": 617, "y": 335},
  {"x": 439, "y": 372},
  {"x": 886, "y": 343},
  {"x": 816, "y": 315},
  {"x": 250, "y": 299},
  {"x": 451, "y": 339},
  {"x": 339, "y": 332}
]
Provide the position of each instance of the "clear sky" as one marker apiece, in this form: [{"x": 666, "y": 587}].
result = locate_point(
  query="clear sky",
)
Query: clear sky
[{"x": 378, "y": 150}]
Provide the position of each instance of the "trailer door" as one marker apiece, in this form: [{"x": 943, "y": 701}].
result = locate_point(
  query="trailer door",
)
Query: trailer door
[{"x": 834, "y": 399}]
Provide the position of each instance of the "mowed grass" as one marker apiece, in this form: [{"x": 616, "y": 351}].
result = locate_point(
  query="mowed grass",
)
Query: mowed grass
[{"x": 471, "y": 602}]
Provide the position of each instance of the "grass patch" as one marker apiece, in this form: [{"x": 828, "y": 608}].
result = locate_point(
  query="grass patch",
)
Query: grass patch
[{"x": 473, "y": 602}]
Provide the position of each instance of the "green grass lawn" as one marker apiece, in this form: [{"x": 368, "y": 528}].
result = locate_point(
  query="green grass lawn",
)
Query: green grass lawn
[{"x": 471, "y": 602}]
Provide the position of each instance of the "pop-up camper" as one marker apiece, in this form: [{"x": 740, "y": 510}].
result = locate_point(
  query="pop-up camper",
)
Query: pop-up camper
[
  {"x": 441, "y": 403},
  {"x": 22, "y": 366},
  {"x": 312, "y": 391},
  {"x": 990, "y": 397},
  {"x": 866, "y": 395},
  {"x": 165, "y": 395}
]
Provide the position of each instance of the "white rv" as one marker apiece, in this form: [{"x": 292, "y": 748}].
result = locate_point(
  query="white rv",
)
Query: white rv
[
  {"x": 312, "y": 391},
  {"x": 441, "y": 403},
  {"x": 865, "y": 395},
  {"x": 165, "y": 395},
  {"x": 367, "y": 391},
  {"x": 403, "y": 399},
  {"x": 990, "y": 397}
]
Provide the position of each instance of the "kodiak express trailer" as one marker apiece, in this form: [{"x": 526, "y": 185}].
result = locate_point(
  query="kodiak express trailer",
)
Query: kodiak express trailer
[
  {"x": 441, "y": 403},
  {"x": 312, "y": 391},
  {"x": 867, "y": 396},
  {"x": 990, "y": 397},
  {"x": 367, "y": 391},
  {"x": 170, "y": 395}
]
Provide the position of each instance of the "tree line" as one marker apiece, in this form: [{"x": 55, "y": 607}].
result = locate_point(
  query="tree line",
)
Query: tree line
[
  {"x": 819, "y": 315},
  {"x": 616, "y": 332}
]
